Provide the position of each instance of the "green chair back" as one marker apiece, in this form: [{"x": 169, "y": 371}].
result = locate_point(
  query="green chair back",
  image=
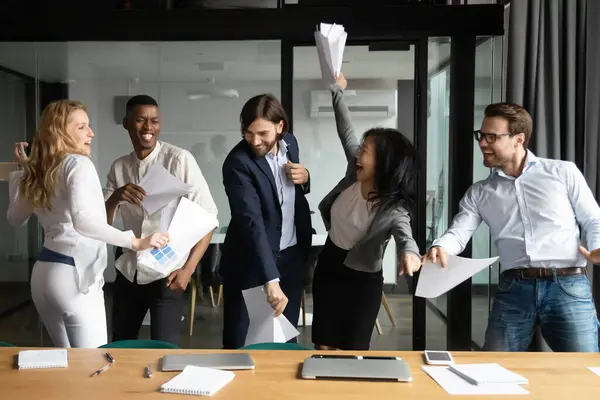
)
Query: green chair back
[
  {"x": 275, "y": 346},
  {"x": 4, "y": 344},
  {"x": 139, "y": 344}
]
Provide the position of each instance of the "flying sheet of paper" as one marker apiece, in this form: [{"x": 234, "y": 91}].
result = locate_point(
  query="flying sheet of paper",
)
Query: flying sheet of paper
[
  {"x": 434, "y": 280},
  {"x": 190, "y": 223},
  {"x": 161, "y": 188},
  {"x": 595, "y": 370},
  {"x": 264, "y": 327},
  {"x": 330, "y": 40},
  {"x": 454, "y": 384}
]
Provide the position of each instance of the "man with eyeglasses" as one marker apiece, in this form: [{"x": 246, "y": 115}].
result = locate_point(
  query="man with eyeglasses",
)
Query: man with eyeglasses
[{"x": 535, "y": 208}]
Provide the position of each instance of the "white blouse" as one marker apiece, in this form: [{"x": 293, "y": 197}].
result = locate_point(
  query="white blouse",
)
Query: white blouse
[
  {"x": 351, "y": 216},
  {"x": 76, "y": 225}
]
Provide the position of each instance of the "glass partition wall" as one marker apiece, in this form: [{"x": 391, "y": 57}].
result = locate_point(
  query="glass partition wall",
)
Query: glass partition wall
[{"x": 201, "y": 87}]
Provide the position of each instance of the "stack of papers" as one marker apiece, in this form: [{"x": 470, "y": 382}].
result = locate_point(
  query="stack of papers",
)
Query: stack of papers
[
  {"x": 330, "y": 40},
  {"x": 481, "y": 379},
  {"x": 434, "y": 280},
  {"x": 34, "y": 359},
  {"x": 264, "y": 327},
  {"x": 199, "y": 381},
  {"x": 595, "y": 370}
]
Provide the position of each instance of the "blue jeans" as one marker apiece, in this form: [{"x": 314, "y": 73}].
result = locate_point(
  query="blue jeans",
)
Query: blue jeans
[{"x": 562, "y": 305}]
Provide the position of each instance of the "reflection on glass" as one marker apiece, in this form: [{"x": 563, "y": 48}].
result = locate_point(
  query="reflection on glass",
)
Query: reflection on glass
[
  {"x": 438, "y": 125},
  {"x": 488, "y": 89}
]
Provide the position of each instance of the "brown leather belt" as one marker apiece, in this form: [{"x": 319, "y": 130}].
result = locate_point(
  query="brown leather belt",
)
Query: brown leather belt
[{"x": 542, "y": 273}]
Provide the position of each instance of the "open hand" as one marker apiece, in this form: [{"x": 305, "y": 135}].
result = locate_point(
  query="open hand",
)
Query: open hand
[{"x": 438, "y": 255}]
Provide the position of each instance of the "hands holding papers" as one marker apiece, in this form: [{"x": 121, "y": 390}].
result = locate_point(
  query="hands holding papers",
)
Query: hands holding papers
[
  {"x": 438, "y": 278},
  {"x": 264, "y": 325},
  {"x": 330, "y": 41},
  {"x": 190, "y": 223}
]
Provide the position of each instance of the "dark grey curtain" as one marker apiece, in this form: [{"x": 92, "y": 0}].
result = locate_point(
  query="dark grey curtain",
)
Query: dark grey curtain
[
  {"x": 553, "y": 70},
  {"x": 546, "y": 72}
]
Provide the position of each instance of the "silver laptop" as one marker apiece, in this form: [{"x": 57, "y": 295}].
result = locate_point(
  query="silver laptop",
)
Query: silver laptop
[
  {"x": 356, "y": 367},
  {"x": 227, "y": 361}
]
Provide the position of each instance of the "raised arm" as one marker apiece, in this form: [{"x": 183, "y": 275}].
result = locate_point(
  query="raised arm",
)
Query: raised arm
[
  {"x": 342, "y": 120},
  {"x": 19, "y": 209}
]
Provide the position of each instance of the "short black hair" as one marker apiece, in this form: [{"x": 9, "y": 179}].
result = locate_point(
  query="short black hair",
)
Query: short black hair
[{"x": 140, "y": 100}]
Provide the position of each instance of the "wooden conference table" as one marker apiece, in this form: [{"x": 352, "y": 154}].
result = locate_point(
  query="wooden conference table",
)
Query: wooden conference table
[{"x": 276, "y": 377}]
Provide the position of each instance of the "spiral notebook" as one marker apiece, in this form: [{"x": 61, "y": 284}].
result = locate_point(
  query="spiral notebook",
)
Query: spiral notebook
[
  {"x": 200, "y": 381},
  {"x": 34, "y": 359}
]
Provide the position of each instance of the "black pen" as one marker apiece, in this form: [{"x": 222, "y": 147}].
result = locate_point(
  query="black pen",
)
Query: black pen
[
  {"x": 110, "y": 358},
  {"x": 101, "y": 370}
]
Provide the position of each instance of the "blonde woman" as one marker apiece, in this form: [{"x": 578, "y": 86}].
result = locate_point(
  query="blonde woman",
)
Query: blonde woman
[{"x": 59, "y": 184}]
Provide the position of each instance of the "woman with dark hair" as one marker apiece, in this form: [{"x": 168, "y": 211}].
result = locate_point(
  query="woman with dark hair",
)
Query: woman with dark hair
[{"x": 372, "y": 203}]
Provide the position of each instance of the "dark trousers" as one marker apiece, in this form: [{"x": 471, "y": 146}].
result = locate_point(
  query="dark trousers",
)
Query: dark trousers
[
  {"x": 131, "y": 302},
  {"x": 235, "y": 316}
]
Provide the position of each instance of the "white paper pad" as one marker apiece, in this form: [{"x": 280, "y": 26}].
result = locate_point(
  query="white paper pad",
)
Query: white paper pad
[
  {"x": 595, "y": 370},
  {"x": 36, "y": 359},
  {"x": 330, "y": 40},
  {"x": 481, "y": 374},
  {"x": 264, "y": 327},
  {"x": 190, "y": 223},
  {"x": 454, "y": 384},
  {"x": 434, "y": 280},
  {"x": 161, "y": 188}
]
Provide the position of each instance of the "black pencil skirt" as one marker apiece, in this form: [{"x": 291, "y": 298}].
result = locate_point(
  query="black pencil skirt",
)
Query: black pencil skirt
[{"x": 345, "y": 302}]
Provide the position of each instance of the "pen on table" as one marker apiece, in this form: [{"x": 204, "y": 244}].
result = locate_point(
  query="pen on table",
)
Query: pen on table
[
  {"x": 148, "y": 372},
  {"x": 110, "y": 358},
  {"x": 101, "y": 370}
]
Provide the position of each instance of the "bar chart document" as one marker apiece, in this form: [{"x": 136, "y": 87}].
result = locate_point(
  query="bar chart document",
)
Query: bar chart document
[
  {"x": 330, "y": 40},
  {"x": 190, "y": 223},
  {"x": 434, "y": 280}
]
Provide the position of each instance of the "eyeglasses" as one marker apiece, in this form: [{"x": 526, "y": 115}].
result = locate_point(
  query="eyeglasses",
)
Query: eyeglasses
[{"x": 489, "y": 137}]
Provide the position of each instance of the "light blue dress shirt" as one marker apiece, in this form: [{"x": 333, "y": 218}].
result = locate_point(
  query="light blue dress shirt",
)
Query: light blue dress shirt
[
  {"x": 286, "y": 192},
  {"x": 534, "y": 219}
]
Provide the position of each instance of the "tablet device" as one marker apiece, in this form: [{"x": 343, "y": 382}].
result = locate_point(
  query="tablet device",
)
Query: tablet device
[
  {"x": 356, "y": 367},
  {"x": 226, "y": 361}
]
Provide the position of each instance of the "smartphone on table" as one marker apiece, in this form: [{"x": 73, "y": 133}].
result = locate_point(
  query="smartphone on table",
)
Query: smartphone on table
[{"x": 438, "y": 357}]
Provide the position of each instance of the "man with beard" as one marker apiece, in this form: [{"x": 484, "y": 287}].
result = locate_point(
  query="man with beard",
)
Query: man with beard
[
  {"x": 136, "y": 288},
  {"x": 269, "y": 236},
  {"x": 535, "y": 208}
]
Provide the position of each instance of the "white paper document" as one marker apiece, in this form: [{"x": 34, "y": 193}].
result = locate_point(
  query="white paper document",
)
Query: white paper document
[
  {"x": 454, "y": 384},
  {"x": 434, "y": 280},
  {"x": 190, "y": 223},
  {"x": 480, "y": 374},
  {"x": 595, "y": 370},
  {"x": 264, "y": 327},
  {"x": 161, "y": 188},
  {"x": 330, "y": 40}
]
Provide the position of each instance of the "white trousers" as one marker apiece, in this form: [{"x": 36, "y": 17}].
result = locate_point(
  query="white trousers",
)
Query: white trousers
[{"x": 72, "y": 319}]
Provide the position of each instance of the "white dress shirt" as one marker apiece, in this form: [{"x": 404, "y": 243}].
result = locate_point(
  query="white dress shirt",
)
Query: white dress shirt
[
  {"x": 534, "y": 219},
  {"x": 130, "y": 169},
  {"x": 286, "y": 193},
  {"x": 76, "y": 225}
]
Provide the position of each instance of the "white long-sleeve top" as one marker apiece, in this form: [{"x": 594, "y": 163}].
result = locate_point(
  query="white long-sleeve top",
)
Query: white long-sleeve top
[{"x": 76, "y": 225}]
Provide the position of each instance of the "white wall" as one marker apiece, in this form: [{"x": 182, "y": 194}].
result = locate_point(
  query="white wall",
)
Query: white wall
[{"x": 194, "y": 125}]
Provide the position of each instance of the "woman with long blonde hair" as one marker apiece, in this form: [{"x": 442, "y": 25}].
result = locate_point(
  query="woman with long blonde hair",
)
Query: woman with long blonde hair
[{"x": 59, "y": 183}]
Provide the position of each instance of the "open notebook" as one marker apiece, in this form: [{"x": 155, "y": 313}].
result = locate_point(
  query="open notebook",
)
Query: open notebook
[
  {"x": 33, "y": 359},
  {"x": 200, "y": 381}
]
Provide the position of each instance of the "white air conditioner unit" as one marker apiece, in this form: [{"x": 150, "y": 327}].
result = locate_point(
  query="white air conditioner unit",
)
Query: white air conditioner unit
[{"x": 364, "y": 104}]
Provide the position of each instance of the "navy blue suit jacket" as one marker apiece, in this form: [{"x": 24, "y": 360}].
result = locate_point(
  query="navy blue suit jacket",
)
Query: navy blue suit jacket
[{"x": 251, "y": 243}]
